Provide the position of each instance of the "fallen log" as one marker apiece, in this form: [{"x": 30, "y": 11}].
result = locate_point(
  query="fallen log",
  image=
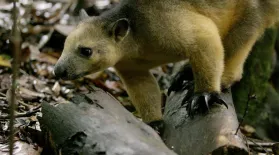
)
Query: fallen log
[
  {"x": 213, "y": 132},
  {"x": 96, "y": 124}
]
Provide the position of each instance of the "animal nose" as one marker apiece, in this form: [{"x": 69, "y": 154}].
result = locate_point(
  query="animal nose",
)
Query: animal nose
[{"x": 59, "y": 72}]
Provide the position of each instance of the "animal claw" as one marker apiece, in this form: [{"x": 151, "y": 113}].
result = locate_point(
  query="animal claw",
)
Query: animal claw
[{"x": 201, "y": 100}]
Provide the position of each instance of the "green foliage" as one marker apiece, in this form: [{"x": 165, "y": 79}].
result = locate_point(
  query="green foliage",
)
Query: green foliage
[{"x": 257, "y": 72}]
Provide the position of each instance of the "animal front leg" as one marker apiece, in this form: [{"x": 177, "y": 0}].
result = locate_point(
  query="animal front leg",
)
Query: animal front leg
[
  {"x": 207, "y": 61},
  {"x": 144, "y": 93}
]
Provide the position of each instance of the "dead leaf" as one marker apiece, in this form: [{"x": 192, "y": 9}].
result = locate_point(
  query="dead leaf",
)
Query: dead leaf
[
  {"x": 20, "y": 148},
  {"x": 41, "y": 87},
  {"x": 5, "y": 61},
  {"x": 24, "y": 81},
  {"x": 56, "y": 88},
  {"x": 29, "y": 95},
  {"x": 41, "y": 57},
  {"x": 64, "y": 29},
  {"x": 114, "y": 85},
  {"x": 5, "y": 81}
]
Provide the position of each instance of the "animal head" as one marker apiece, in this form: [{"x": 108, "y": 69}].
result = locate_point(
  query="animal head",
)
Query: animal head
[{"x": 93, "y": 46}]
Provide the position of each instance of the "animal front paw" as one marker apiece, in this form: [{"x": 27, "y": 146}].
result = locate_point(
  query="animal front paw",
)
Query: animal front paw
[{"x": 201, "y": 102}]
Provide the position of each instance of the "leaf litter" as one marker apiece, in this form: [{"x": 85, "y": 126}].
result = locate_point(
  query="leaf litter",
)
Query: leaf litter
[{"x": 44, "y": 26}]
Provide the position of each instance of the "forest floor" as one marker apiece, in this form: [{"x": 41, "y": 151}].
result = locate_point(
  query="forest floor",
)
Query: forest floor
[{"x": 44, "y": 26}]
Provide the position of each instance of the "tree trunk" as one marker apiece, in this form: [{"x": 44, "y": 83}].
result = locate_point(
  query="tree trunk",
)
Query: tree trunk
[{"x": 256, "y": 80}]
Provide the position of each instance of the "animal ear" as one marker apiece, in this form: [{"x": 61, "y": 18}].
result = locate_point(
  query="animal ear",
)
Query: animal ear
[
  {"x": 120, "y": 29},
  {"x": 82, "y": 14}
]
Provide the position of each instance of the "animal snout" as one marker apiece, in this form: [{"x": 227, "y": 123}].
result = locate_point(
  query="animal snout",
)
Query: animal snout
[{"x": 60, "y": 72}]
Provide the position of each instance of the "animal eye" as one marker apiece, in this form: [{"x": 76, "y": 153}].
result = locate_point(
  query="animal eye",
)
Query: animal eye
[{"x": 86, "y": 52}]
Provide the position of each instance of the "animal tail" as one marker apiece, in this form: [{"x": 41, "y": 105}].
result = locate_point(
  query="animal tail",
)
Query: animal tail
[{"x": 271, "y": 10}]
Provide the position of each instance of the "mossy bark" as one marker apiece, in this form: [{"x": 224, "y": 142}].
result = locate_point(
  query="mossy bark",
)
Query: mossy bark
[
  {"x": 255, "y": 81},
  {"x": 275, "y": 75},
  {"x": 268, "y": 126}
]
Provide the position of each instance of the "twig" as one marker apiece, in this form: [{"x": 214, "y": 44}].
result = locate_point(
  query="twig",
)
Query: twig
[
  {"x": 27, "y": 114},
  {"x": 260, "y": 150},
  {"x": 263, "y": 144},
  {"x": 247, "y": 143},
  {"x": 19, "y": 101},
  {"x": 24, "y": 104},
  {"x": 266, "y": 151},
  {"x": 3, "y": 94},
  {"x": 250, "y": 97},
  {"x": 61, "y": 13},
  {"x": 16, "y": 40}
]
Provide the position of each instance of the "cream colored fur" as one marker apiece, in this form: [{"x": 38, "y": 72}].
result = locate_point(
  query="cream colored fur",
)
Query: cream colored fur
[{"x": 216, "y": 35}]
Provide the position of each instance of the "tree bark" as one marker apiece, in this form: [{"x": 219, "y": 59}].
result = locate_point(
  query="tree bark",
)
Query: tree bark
[
  {"x": 96, "y": 124},
  {"x": 212, "y": 132}
]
